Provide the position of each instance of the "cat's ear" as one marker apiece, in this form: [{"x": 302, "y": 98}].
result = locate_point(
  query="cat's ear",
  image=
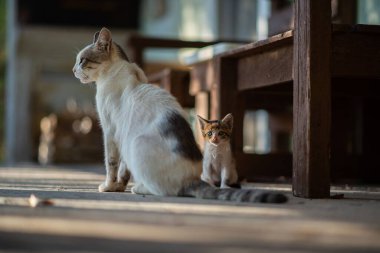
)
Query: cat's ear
[
  {"x": 228, "y": 121},
  {"x": 96, "y": 36},
  {"x": 202, "y": 122},
  {"x": 103, "y": 40}
]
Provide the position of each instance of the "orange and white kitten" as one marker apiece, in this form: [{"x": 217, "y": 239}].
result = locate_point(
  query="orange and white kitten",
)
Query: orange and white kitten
[
  {"x": 145, "y": 132},
  {"x": 218, "y": 161}
]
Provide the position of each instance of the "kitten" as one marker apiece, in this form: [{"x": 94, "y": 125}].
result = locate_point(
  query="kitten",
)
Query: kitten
[
  {"x": 144, "y": 130},
  {"x": 218, "y": 161}
]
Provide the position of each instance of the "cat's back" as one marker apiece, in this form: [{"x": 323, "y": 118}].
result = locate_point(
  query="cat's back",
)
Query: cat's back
[
  {"x": 143, "y": 111},
  {"x": 151, "y": 98}
]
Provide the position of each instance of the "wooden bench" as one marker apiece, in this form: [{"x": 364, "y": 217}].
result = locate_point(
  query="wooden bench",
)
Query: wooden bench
[
  {"x": 173, "y": 78},
  {"x": 238, "y": 80},
  {"x": 306, "y": 68}
]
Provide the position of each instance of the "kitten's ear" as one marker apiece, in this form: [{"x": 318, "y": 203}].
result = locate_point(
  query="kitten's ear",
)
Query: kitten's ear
[
  {"x": 202, "y": 122},
  {"x": 103, "y": 40},
  {"x": 228, "y": 120}
]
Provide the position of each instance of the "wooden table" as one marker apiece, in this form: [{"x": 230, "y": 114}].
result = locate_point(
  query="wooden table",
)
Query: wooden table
[
  {"x": 306, "y": 68},
  {"x": 239, "y": 79}
]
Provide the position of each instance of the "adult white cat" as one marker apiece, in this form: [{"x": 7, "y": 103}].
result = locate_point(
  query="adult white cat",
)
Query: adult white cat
[{"x": 144, "y": 130}]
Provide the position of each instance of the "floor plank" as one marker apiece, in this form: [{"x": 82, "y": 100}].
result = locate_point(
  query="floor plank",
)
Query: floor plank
[{"x": 84, "y": 220}]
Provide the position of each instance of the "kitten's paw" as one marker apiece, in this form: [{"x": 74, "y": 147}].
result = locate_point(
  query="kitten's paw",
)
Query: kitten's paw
[
  {"x": 229, "y": 185},
  {"x": 226, "y": 185},
  {"x": 209, "y": 180}
]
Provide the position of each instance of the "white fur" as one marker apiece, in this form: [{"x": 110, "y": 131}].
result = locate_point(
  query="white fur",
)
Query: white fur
[
  {"x": 130, "y": 111},
  {"x": 222, "y": 163}
]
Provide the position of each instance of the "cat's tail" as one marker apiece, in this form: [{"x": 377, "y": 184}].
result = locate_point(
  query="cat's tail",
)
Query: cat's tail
[{"x": 203, "y": 190}]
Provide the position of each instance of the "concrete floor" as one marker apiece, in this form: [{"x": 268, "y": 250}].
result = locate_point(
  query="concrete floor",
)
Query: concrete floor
[{"x": 83, "y": 220}]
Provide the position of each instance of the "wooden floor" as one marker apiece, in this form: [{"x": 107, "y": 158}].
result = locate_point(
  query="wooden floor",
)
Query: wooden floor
[{"x": 83, "y": 220}]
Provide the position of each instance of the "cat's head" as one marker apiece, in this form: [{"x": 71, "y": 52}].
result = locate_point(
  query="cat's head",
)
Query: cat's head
[
  {"x": 96, "y": 57},
  {"x": 216, "y": 132}
]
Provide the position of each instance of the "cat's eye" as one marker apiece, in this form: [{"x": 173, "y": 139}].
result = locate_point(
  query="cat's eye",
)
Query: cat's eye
[
  {"x": 222, "y": 134},
  {"x": 209, "y": 133},
  {"x": 81, "y": 60}
]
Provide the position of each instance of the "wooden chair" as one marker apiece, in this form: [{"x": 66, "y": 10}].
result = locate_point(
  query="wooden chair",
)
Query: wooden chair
[{"x": 308, "y": 68}]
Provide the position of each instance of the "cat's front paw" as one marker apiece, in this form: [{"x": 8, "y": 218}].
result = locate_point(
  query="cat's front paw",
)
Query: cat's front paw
[
  {"x": 120, "y": 187},
  {"x": 113, "y": 187},
  {"x": 140, "y": 189},
  {"x": 103, "y": 187}
]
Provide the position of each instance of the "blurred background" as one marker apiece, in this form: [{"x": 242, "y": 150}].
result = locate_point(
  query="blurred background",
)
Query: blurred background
[{"x": 47, "y": 116}]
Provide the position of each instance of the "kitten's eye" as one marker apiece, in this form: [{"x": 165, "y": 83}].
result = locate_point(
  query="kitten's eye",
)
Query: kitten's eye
[
  {"x": 222, "y": 134},
  {"x": 209, "y": 133},
  {"x": 81, "y": 60}
]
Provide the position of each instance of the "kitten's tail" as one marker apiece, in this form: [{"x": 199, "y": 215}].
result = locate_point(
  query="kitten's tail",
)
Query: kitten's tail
[{"x": 203, "y": 190}]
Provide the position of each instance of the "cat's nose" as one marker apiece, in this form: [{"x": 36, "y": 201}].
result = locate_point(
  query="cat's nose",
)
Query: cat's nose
[{"x": 74, "y": 70}]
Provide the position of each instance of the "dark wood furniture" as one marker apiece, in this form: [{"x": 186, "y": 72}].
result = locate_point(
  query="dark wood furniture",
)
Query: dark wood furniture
[
  {"x": 256, "y": 75},
  {"x": 176, "y": 82},
  {"x": 173, "y": 78},
  {"x": 310, "y": 69},
  {"x": 137, "y": 44}
]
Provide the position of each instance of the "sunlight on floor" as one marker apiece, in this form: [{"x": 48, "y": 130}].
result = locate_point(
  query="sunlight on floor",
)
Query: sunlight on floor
[
  {"x": 159, "y": 207},
  {"x": 321, "y": 233}
]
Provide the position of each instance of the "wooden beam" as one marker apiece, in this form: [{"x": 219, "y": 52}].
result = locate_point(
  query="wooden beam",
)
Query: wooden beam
[
  {"x": 136, "y": 45},
  {"x": 311, "y": 98},
  {"x": 270, "y": 67},
  {"x": 202, "y": 76},
  {"x": 223, "y": 90},
  {"x": 224, "y": 98}
]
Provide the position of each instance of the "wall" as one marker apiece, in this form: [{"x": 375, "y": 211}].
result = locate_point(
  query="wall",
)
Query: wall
[{"x": 40, "y": 81}]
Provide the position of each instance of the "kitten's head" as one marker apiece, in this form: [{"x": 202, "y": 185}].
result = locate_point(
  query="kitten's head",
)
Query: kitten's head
[
  {"x": 95, "y": 57},
  {"x": 217, "y": 132}
]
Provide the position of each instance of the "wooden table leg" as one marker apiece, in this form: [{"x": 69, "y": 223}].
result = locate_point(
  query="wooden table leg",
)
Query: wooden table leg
[
  {"x": 312, "y": 98},
  {"x": 202, "y": 101}
]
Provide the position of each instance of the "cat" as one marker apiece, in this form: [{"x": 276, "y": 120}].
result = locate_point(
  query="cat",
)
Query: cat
[
  {"x": 144, "y": 130},
  {"x": 218, "y": 161}
]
